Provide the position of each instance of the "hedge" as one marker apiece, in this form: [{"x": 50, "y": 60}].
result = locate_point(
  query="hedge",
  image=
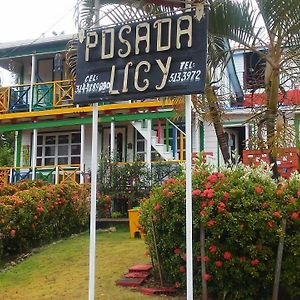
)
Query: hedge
[
  {"x": 32, "y": 214},
  {"x": 241, "y": 210}
]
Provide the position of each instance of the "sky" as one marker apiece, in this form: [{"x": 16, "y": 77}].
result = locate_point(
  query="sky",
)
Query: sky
[{"x": 29, "y": 19}]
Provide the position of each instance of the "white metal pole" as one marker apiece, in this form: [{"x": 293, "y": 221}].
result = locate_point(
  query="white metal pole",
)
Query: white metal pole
[
  {"x": 112, "y": 140},
  {"x": 247, "y": 135},
  {"x": 189, "y": 210},
  {"x": 82, "y": 144},
  {"x": 148, "y": 143},
  {"x": 34, "y": 152},
  {"x": 16, "y": 148},
  {"x": 32, "y": 80},
  {"x": 94, "y": 165}
]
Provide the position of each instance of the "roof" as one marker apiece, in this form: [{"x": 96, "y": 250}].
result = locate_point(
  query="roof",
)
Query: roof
[{"x": 39, "y": 46}]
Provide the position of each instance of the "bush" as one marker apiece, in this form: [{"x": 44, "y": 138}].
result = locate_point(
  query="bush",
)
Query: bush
[
  {"x": 37, "y": 215},
  {"x": 242, "y": 211}
]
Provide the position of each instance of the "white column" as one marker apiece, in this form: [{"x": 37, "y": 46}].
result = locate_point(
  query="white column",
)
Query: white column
[
  {"x": 197, "y": 134},
  {"x": 34, "y": 152},
  {"x": 112, "y": 140},
  {"x": 189, "y": 210},
  {"x": 247, "y": 135},
  {"x": 82, "y": 144},
  {"x": 16, "y": 148},
  {"x": 94, "y": 165},
  {"x": 32, "y": 80},
  {"x": 148, "y": 143}
]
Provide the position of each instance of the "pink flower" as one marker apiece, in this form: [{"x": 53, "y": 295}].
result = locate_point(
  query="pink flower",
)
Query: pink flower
[
  {"x": 208, "y": 185},
  {"x": 207, "y": 277},
  {"x": 205, "y": 258},
  {"x": 211, "y": 223},
  {"x": 294, "y": 215},
  {"x": 196, "y": 192},
  {"x": 277, "y": 214},
  {"x": 254, "y": 262},
  {"x": 218, "y": 264},
  {"x": 221, "y": 207},
  {"x": 177, "y": 250},
  {"x": 202, "y": 213},
  {"x": 213, "y": 248},
  {"x": 227, "y": 255},
  {"x": 211, "y": 202},
  {"x": 210, "y": 193},
  {"x": 212, "y": 178},
  {"x": 177, "y": 284},
  {"x": 226, "y": 196},
  {"x": 242, "y": 258},
  {"x": 203, "y": 204},
  {"x": 258, "y": 190},
  {"x": 157, "y": 207},
  {"x": 182, "y": 269}
]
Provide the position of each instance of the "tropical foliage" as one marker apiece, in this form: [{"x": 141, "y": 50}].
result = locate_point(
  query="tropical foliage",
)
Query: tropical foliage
[
  {"x": 242, "y": 211},
  {"x": 33, "y": 214}
]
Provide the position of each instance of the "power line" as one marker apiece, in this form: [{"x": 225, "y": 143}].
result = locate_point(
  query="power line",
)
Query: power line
[{"x": 42, "y": 34}]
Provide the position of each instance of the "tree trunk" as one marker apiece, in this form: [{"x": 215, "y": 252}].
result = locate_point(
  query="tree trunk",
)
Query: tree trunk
[
  {"x": 215, "y": 116},
  {"x": 271, "y": 114}
]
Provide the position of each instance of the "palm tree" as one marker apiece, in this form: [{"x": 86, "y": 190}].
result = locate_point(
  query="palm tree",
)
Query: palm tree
[{"x": 271, "y": 29}]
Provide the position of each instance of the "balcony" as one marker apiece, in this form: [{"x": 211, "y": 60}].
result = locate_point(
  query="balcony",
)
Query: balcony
[{"x": 46, "y": 95}]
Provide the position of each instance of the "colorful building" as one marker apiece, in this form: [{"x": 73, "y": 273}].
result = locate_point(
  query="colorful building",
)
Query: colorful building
[{"x": 53, "y": 136}]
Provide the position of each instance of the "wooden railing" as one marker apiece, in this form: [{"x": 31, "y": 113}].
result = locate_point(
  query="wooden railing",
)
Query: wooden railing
[
  {"x": 52, "y": 174},
  {"x": 45, "y": 95}
]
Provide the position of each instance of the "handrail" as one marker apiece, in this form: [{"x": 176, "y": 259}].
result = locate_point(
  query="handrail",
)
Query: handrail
[{"x": 173, "y": 124}]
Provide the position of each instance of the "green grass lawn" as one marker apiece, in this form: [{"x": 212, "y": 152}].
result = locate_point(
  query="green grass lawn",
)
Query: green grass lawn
[{"x": 60, "y": 270}]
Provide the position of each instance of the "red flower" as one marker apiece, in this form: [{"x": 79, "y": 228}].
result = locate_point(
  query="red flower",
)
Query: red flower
[
  {"x": 212, "y": 178},
  {"x": 258, "y": 190},
  {"x": 211, "y": 223},
  {"x": 196, "y": 192},
  {"x": 242, "y": 258},
  {"x": 157, "y": 207},
  {"x": 226, "y": 196},
  {"x": 35, "y": 217},
  {"x": 298, "y": 193},
  {"x": 198, "y": 258},
  {"x": 277, "y": 214},
  {"x": 165, "y": 192},
  {"x": 264, "y": 205},
  {"x": 12, "y": 232},
  {"x": 221, "y": 207},
  {"x": 227, "y": 255},
  {"x": 270, "y": 224},
  {"x": 213, "y": 248},
  {"x": 177, "y": 250},
  {"x": 279, "y": 192},
  {"x": 210, "y": 193},
  {"x": 205, "y": 258},
  {"x": 182, "y": 269},
  {"x": 211, "y": 202},
  {"x": 207, "y": 277},
  {"x": 208, "y": 185},
  {"x": 292, "y": 200},
  {"x": 254, "y": 262},
  {"x": 184, "y": 256},
  {"x": 218, "y": 264},
  {"x": 177, "y": 284},
  {"x": 203, "y": 204},
  {"x": 294, "y": 215},
  {"x": 39, "y": 209},
  {"x": 202, "y": 213}
]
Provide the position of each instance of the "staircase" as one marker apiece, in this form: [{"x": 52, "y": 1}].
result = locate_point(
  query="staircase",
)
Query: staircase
[{"x": 159, "y": 147}]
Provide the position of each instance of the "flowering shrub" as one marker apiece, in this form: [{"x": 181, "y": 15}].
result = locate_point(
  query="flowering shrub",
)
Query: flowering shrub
[
  {"x": 40, "y": 214},
  {"x": 242, "y": 212}
]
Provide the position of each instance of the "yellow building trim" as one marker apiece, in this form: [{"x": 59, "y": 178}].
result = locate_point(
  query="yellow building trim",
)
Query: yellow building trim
[{"x": 86, "y": 109}]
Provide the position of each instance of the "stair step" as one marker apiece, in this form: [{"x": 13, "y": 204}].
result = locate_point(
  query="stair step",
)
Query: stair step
[
  {"x": 137, "y": 275},
  {"x": 140, "y": 268},
  {"x": 158, "y": 291},
  {"x": 133, "y": 282}
]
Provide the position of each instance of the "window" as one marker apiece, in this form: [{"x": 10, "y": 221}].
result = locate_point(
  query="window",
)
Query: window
[
  {"x": 59, "y": 148},
  {"x": 254, "y": 75}
]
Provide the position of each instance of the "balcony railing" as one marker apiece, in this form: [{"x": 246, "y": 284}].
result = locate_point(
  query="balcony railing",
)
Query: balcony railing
[
  {"x": 52, "y": 174},
  {"x": 46, "y": 95}
]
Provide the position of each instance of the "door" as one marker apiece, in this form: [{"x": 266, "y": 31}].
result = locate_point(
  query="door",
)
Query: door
[{"x": 120, "y": 144}]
